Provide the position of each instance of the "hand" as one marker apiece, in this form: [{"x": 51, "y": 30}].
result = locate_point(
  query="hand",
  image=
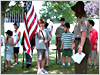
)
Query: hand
[
  {"x": 40, "y": 29},
  {"x": 95, "y": 46},
  {"x": 45, "y": 41},
  {"x": 61, "y": 48},
  {"x": 33, "y": 47},
  {"x": 15, "y": 44},
  {"x": 72, "y": 47},
  {"x": 80, "y": 50},
  {"x": 6, "y": 41}
]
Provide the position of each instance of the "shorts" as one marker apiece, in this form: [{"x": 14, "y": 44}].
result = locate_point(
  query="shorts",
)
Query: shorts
[
  {"x": 16, "y": 49},
  {"x": 41, "y": 53},
  {"x": 93, "y": 53},
  {"x": 67, "y": 53},
  {"x": 58, "y": 45}
]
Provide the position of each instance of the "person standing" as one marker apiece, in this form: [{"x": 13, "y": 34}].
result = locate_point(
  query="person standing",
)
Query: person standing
[
  {"x": 93, "y": 38},
  {"x": 58, "y": 34},
  {"x": 8, "y": 49},
  {"x": 28, "y": 59},
  {"x": 42, "y": 38},
  {"x": 81, "y": 33},
  {"x": 16, "y": 37},
  {"x": 67, "y": 44}
]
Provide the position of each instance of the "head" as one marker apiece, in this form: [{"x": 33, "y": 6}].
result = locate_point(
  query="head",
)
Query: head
[
  {"x": 91, "y": 22},
  {"x": 78, "y": 9},
  {"x": 41, "y": 23},
  {"x": 66, "y": 27},
  {"x": 62, "y": 21},
  {"x": 16, "y": 25},
  {"x": 9, "y": 33},
  {"x": 46, "y": 25}
]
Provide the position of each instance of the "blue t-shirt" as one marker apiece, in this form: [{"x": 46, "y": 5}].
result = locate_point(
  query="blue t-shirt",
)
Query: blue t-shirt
[{"x": 67, "y": 39}]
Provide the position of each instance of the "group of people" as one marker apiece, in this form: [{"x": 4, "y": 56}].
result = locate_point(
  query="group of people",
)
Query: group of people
[{"x": 82, "y": 39}]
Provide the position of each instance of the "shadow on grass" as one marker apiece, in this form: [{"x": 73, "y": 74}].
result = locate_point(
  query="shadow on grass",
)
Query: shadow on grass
[{"x": 53, "y": 67}]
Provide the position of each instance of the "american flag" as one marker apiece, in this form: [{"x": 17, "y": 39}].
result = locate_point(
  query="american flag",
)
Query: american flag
[{"x": 31, "y": 24}]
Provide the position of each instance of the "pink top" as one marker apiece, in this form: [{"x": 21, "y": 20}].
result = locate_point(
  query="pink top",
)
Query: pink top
[{"x": 93, "y": 36}]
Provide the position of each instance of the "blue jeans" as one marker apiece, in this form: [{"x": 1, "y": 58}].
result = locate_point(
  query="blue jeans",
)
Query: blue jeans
[{"x": 28, "y": 59}]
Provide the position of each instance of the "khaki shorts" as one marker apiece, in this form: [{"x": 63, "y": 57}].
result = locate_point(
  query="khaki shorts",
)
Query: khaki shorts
[
  {"x": 93, "y": 53},
  {"x": 41, "y": 53}
]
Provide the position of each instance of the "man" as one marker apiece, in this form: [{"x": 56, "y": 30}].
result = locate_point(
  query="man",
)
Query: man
[
  {"x": 93, "y": 39},
  {"x": 58, "y": 34}
]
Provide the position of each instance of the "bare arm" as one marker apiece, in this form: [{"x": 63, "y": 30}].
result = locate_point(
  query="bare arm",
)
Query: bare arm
[
  {"x": 11, "y": 42},
  {"x": 61, "y": 45},
  {"x": 18, "y": 38},
  {"x": 82, "y": 41}
]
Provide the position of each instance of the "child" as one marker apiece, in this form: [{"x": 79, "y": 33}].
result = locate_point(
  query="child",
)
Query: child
[
  {"x": 67, "y": 44},
  {"x": 41, "y": 46},
  {"x": 93, "y": 39},
  {"x": 58, "y": 34},
  {"x": 9, "y": 49},
  {"x": 16, "y": 36},
  {"x": 47, "y": 50}
]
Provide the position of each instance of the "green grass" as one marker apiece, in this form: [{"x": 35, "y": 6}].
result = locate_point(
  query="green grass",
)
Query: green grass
[{"x": 53, "y": 67}]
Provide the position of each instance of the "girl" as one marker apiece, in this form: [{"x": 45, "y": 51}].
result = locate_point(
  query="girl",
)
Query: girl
[{"x": 9, "y": 48}]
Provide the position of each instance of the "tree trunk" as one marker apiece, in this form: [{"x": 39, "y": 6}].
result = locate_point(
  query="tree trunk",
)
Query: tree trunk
[{"x": 2, "y": 24}]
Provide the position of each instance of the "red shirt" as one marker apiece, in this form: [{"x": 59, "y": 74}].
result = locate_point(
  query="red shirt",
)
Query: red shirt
[{"x": 93, "y": 36}]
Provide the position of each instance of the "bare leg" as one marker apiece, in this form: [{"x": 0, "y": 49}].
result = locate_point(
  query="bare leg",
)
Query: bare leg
[
  {"x": 14, "y": 57},
  {"x": 38, "y": 64},
  {"x": 59, "y": 54},
  {"x": 95, "y": 60},
  {"x": 47, "y": 64},
  {"x": 89, "y": 59},
  {"x": 63, "y": 59},
  {"x": 7, "y": 63},
  {"x": 17, "y": 57},
  {"x": 42, "y": 63},
  {"x": 69, "y": 59}
]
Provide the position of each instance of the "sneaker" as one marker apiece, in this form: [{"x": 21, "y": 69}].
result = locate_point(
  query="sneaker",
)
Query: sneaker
[
  {"x": 15, "y": 63},
  {"x": 68, "y": 66},
  {"x": 95, "y": 66},
  {"x": 59, "y": 62},
  {"x": 62, "y": 66},
  {"x": 90, "y": 66},
  {"x": 39, "y": 72},
  {"x": 44, "y": 71}
]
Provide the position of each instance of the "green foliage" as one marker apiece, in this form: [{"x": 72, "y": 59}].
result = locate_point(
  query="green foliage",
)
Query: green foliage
[{"x": 58, "y": 9}]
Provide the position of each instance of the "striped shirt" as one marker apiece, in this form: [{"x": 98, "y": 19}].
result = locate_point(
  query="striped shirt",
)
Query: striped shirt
[{"x": 67, "y": 39}]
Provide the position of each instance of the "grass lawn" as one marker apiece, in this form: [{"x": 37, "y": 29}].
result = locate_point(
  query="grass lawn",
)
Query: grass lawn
[{"x": 53, "y": 67}]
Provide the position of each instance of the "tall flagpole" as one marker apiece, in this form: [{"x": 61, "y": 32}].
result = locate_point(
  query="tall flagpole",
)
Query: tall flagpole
[{"x": 25, "y": 11}]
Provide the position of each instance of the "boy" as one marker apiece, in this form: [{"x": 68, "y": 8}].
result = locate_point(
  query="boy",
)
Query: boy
[
  {"x": 16, "y": 36},
  {"x": 93, "y": 39},
  {"x": 41, "y": 46},
  {"x": 67, "y": 44},
  {"x": 58, "y": 34}
]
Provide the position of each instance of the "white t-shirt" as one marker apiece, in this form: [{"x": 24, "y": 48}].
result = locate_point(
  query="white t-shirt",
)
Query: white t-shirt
[
  {"x": 15, "y": 37},
  {"x": 49, "y": 26}
]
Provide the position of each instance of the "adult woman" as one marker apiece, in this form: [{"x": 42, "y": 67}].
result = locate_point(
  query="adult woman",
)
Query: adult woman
[{"x": 81, "y": 33}]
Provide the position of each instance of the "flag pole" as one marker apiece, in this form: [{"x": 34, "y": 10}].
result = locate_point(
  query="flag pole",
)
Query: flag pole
[{"x": 23, "y": 35}]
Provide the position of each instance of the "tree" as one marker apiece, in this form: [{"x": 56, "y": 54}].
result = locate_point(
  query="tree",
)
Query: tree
[
  {"x": 58, "y": 9},
  {"x": 11, "y": 9},
  {"x": 92, "y": 9}
]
